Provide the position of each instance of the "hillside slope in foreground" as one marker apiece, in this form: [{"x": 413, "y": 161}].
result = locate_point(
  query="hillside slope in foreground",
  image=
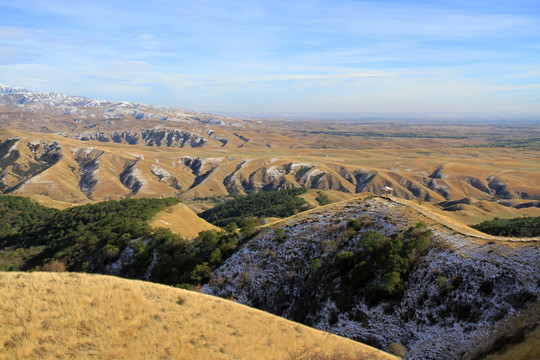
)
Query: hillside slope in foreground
[
  {"x": 68, "y": 315},
  {"x": 385, "y": 270}
]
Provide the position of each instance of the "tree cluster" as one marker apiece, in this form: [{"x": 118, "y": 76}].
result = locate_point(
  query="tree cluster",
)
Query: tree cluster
[
  {"x": 280, "y": 203},
  {"x": 378, "y": 266},
  {"x": 526, "y": 226},
  {"x": 90, "y": 237}
]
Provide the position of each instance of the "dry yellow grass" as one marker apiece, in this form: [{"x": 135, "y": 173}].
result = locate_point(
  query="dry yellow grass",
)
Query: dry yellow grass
[
  {"x": 181, "y": 220},
  {"x": 528, "y": 349},
  {"x": 399, "y": 163},
  {"x": 48, "y": 202},
  {"x": 334, "y": 196},
  {"x": 442, "y": 218},
  {"x": 80, "y": 316}
]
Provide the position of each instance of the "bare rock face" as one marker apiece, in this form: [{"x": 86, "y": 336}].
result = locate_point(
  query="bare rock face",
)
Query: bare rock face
[
  {"x": 8, "y": 156},
  {"x": 165, "y": 176},
  {"x": 48, "y": 153},
  {"x": 438, "y": 187},
  {"x": 499, "y": 188},
  {"x": 363, "y": 178},
  {"x": 151, "y": 137},
  {"x": 478, "y": 184},
  {"x": 195, "y": 164},
  {"x": 171, "y": 137},
  {"x": 88, "y": 160},
  {"x": 235, "y": 180},
  {"x": 243, "y": 138},
  {"x": 128, "y": 137},
  {"x": 44, "y": 155},
  {"x": 130, "y": 177},
  {"x": 436, "y": 174}
]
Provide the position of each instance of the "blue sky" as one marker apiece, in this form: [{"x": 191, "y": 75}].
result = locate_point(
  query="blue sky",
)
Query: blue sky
[{"x": 280, "y": 56}]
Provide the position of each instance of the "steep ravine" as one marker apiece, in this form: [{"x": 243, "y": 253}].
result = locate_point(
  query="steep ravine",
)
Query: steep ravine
[{"x": 456, "y": 295}]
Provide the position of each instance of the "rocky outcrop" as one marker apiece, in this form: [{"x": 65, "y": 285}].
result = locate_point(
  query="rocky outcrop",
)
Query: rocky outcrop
[
  {"x": 201, "y": 168},
  {"x": 243, "y": 138},
  {"x": 130, "y": 177},
  {"x": 438, "y": 187},
  {"x": 454, "y": 205},
  {"x": 160, "y": 173},
  {"x": 195, "y": 164},
  {"x": 47, "y": 153},
  {"x": 151, "y": 137},
  {"x": 363, "y": 178},
  {"x": 171, "y": 137},
  {"x": 165, "y": 176},
  {"x": 477, "y": 184},
  {"x": 222, "y": 140},
  {"x": 528, "y": 205},
  {"x": 88, "y": 160},
  {"x": 235, "y": 180},
  {"x": 128, "y": 137},
  {"x": 499, "y": 188},
  {"x": 8, "y": 152},
  {"x": 436, "y": 174}
]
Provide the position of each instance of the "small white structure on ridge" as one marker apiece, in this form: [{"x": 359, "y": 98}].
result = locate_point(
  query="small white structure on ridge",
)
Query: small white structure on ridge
[{"x": 387, "y": 190}]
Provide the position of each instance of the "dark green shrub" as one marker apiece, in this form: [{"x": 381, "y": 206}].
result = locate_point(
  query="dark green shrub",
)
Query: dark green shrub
[
  {"x": 280, "y": 233},
  {"x": 378, "y": 266},
  {"x": 343, "y": 258},
  {"x": 486, "y": 287},
  {"x": 201, "y": 273},
  {"x": 315, "y": 265},
  {"x": 231, "y": 227},
  {"x": 323, "y": 199},
  {"x": 361, "y": 274},
  {"x": 354, "y": 224}
]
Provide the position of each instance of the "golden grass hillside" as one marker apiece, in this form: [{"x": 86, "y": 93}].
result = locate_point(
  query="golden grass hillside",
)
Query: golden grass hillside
[
  {"x": 78, "y": 316},
  {"x": 465, "y": 172},
  {"x": 181, "y": 220}
]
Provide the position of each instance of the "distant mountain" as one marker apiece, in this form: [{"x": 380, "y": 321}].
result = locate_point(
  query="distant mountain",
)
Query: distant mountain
[
  {"x": 89, "y": 119},
  {"x": 28, "y": 100}
]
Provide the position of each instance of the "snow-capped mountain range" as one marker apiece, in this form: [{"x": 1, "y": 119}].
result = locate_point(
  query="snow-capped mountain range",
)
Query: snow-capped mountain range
[
  {"x": 34, "y": 101},
  {"x": 22, "y": 96}
]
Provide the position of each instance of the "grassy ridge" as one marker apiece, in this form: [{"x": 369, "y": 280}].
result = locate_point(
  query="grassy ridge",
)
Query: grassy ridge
[{"x": 78, "y": 316}]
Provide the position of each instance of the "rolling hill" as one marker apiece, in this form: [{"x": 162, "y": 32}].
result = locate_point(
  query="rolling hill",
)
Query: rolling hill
[
  {"x": 181, "y": 220},
  {"x": 403, "y": 273},
  {"x": 68, "y": 315},
  {"x": 71, "y": 149},
  {"x": 385, "y": 271}
]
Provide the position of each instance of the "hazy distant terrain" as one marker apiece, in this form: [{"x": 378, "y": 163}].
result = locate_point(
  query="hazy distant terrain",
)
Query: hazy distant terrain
[{"x": 76, "y": 150}]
